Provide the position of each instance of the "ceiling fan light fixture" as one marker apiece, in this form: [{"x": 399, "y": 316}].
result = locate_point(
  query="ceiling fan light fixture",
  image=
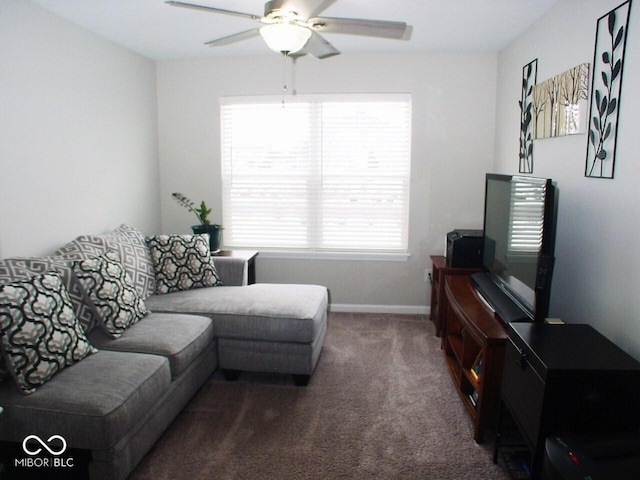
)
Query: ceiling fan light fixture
[{"x": 285, "y": 37}]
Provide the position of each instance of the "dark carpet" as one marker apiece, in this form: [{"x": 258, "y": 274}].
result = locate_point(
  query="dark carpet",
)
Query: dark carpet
[{"x": 380, "y": 405}]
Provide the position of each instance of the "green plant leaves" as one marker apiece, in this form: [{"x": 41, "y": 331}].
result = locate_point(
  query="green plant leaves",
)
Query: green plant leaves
[{"x": 202, "y": 212}]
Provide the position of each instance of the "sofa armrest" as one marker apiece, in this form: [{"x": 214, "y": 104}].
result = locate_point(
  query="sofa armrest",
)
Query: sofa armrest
[{"x": 233, "y": 271}]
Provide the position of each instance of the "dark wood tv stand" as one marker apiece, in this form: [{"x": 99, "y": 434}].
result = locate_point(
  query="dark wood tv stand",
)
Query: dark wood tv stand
[
  {"x": 439, "y": 271},
  {"x": 473, "y": 343}
]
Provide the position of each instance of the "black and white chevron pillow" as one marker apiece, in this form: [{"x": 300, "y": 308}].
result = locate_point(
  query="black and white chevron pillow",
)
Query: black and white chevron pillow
[
  {"x": 182, "y": 262},
  {"x": 116, "y": 301},
  {"x": 39, "y": 331}
]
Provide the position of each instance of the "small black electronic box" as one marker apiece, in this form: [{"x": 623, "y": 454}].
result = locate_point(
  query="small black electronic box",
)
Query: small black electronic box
[{"x": 464, "y": 248}]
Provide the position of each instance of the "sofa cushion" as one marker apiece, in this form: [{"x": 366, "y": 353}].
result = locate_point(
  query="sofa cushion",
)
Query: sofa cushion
[
  {"x": 262, "y": 311},
  {"x": 117, "y": 303},
  {"x": 92, "y": 404},
  {"x": 272, "y": 357},
  {"x": 39, "y": 332},
  {"x": 180, "y": 338},
  {"x": 129, "y": 243},
  {"x": 182, "y": 262}
]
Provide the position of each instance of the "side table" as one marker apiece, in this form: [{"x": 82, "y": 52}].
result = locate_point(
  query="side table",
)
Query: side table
[
  {"x": 247, "y": 255},
  {"x": 566, "y": 379}
]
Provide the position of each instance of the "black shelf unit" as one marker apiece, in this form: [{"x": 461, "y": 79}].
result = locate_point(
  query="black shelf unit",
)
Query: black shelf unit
[{"x": 565, "y": 379}]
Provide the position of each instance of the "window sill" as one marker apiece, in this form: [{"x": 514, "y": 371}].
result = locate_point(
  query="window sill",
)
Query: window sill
[{"x": 361, "y": 256}]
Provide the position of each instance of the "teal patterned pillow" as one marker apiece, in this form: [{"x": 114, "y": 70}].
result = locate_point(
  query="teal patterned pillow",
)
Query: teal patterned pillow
[
  {"x": 182, "y": 262},
  {"x": 39, "y": 331},
  {"x": 108, "y": 287}
]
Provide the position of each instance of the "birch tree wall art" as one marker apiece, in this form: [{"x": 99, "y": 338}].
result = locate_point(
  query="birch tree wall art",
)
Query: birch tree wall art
[
  {"x": 560, "y": 103},
  {"x": 608, "y": 63}
]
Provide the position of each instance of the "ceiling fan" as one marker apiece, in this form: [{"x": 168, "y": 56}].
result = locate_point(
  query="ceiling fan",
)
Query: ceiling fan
[{"x": 292, "y": 27}]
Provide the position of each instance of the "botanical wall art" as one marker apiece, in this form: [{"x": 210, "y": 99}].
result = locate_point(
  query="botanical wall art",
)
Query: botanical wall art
[
  {"x": 560, "y": 103},
  {"x": 608, "y": 62},
  {"x": 529, "y": 74}
]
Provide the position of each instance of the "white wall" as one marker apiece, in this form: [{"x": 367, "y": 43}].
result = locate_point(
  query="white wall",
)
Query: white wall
[
  {"x": 453, "y": 135},
  {"x": 78, "y": 133},
  {"x": 598, "y": 261}
]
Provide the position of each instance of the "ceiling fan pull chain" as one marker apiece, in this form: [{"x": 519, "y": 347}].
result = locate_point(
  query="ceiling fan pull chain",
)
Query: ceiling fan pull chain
[{"x": 284, "y": 76}]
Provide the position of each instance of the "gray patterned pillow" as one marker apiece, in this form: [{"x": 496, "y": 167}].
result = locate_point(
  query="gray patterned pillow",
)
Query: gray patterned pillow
[
  {"x": 129, "y": 243},
  {"x": 39, "y": 332},
  {"x": 136, "y": 258},
  {"x": 108, "y": 287},
  {"x": 12, "y": 269},
  {"x": 182, "y": 262},
  {"x": 83, "y": 247}
]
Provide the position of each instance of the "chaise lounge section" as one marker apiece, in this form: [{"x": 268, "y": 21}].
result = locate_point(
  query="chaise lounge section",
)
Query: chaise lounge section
[
  {"x": 112, "y": 405},
  {"x": 272, "y": 328}
]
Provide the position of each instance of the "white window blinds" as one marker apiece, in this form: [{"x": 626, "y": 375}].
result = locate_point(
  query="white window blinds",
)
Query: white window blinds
[
  {"x": 527, "y": 217},
  {"x": 317, "y": 173}
]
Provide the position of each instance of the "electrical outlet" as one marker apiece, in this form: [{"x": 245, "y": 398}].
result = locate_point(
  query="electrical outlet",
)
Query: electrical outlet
[{"x": 427, "y": 275}]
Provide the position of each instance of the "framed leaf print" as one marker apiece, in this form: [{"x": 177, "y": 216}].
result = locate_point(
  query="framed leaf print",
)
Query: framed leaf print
[
  {"x": 608, "y": 64},
  {"x": 529, "y": 73}
]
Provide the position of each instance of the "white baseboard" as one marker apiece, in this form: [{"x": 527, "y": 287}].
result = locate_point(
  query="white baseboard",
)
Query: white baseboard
[{"x": 399, "y": 309}]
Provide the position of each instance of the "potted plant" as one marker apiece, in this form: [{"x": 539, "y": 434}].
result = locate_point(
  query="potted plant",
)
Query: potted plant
[{"x": 205, "y": 226}]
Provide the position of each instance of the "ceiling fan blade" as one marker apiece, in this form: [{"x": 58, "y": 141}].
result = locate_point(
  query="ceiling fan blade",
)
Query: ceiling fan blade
[
  {"x": 304, "y": 8},
  {"x": 318, "y": 47},
  {"x": 214, "y": 10},
  {"x": 236, "y": 37},
  {"x": 358, "y": 26}
]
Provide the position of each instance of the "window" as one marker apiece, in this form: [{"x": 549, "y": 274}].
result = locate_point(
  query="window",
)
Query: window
[{"x": 317, "y": 173}]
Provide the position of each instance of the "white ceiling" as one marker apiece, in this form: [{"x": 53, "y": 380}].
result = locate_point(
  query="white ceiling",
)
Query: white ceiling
[{"x": 160, "y": 31}]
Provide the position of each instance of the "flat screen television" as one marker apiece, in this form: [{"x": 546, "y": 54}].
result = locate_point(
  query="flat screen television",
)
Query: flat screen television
[{"x": 518, "y": 246}]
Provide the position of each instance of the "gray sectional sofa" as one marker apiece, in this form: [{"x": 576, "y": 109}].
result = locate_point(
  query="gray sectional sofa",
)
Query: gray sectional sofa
[{"x": 111, "y": 405}]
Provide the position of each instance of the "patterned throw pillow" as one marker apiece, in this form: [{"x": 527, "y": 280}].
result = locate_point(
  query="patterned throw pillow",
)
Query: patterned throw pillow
[
  {"x": 107, "y": 285},
  {"x": 83, "y": 247},
  {"x": 129, "y": 243},
  {"x": 182, "y": 262},
  {"x": 12, "y": 269},
  {"x": 39, "y": 332},
  {"x": 134, "y": 253}
]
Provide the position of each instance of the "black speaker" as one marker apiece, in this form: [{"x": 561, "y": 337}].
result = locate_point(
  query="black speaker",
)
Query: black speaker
[{"x": 464, "y": 248}]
